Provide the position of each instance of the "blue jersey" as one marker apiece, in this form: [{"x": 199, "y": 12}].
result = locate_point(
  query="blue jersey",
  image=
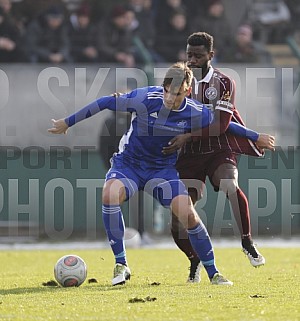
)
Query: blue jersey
[{"x": 152, "y": 124}]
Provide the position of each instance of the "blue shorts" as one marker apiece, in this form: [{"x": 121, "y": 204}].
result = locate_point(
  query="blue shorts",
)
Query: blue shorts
[{"x": 162, "y": 183}]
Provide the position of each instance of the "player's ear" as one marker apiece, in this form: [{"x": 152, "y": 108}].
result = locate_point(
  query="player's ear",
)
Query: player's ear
[{"x": 211, "y": 54}]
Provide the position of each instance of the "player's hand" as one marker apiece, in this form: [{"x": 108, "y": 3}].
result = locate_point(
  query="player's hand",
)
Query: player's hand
[
  {"x": 266, "y": 141},
  {"x": 59, "y": 127},
  {"x": 176, "y": 143}
]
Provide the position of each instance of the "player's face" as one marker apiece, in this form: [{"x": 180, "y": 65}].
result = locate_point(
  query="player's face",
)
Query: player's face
[
  {"x": 174, "y": 96},
  {"x": 198, "y": 57}
]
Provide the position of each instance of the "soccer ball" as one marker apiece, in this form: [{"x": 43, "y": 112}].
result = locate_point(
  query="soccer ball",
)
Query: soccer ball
[{"x": 70, "y": 270}]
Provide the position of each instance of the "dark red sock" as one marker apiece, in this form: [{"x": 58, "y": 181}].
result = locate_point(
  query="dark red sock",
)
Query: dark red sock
[{"x": 240, "y": 207}]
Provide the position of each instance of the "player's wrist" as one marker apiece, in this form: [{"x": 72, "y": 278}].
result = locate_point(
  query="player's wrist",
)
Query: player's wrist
[{"x": 254, "y": 136}]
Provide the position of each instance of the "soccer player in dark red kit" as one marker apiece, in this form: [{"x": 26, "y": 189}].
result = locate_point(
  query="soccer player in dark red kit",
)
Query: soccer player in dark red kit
[{"x": 215, "y": 156}]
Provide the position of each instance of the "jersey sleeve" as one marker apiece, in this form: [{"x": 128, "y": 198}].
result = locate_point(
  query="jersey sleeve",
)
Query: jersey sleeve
[
  {"x": 129, "y": 102},
  {"x": 226, "y": 101},
  {"x": 240, "y": 130}
]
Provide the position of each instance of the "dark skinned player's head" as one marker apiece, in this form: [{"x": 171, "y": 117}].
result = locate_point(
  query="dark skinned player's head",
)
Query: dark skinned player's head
[{"x": 199, "y": 50}]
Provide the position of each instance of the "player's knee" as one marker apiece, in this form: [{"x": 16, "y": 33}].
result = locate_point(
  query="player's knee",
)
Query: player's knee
[
  {"x": 107, "y": 197},
  {"x": 183, "y": 208},
  {"x": 187, "y": 220},
  {"x": 113, "y": 192}
]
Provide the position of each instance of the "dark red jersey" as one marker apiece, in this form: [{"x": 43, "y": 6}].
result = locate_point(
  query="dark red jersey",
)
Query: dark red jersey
[{"x": 217, "y": 92}]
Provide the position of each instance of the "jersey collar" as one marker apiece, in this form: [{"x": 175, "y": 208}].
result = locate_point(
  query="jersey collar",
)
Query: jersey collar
[
  {"x": 206, "y": 79},
  {"x": 208, "y": 76}
]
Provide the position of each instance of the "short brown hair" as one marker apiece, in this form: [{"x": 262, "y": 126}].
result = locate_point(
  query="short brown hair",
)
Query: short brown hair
[{"x": 178, "y": 74}]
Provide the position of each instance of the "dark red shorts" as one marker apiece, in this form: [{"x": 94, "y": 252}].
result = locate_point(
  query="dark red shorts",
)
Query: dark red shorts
[{"x": 199, "y": 166}]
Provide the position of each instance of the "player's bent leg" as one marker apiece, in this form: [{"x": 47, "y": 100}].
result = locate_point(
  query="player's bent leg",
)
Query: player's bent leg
[
  {"x": 180, "y": 236},
  {"x": 112, "y": 197},
  {"x": 183, "y": 208},
  {"x": 182, "y": 240},
  {"x": 114, "y": 192},
  {"x": 225, "y": 177},
  {"x": 179, "y": 232}
]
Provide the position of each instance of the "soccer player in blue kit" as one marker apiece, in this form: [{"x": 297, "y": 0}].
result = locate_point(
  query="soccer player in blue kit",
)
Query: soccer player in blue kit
[{"x": 159, "y": 113}]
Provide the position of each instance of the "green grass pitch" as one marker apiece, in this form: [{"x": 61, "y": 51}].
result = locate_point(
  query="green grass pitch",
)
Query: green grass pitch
[{"x": 158, "y": 284}]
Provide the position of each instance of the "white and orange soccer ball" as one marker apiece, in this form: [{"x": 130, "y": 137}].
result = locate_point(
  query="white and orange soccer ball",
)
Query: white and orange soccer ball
[{"x": 70, "y": 270}]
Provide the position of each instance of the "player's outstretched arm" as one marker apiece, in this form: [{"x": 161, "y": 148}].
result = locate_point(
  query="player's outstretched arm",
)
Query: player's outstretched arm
[
  {"x": 61, "y": 126},
  {"x": 262, "y": 140},
  {"x": 58, "y": 127}
]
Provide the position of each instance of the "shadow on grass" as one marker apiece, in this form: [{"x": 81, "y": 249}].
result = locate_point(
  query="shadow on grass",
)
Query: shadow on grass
[{"x": 86, "y": 287}]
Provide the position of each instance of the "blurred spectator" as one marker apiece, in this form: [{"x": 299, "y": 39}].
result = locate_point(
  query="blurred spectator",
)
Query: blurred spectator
[
  {"x": 10, "y": 40},
  {"x": 164, "y": 11},
  {"x": 215, "y": 23},
  {"x": 170, "y": 44},
  {"x": 14, "y": 18},
  {"x": 28, "y": 10},
  {"x": 143, "y": 26},
  {"x": 114, "y": 42},
  {"x": 196, "y": 9},
  {"x": 83, "y": 36},
  {"x": 100, "y": 9},
  {"x": 271, "y": 20},
  {"x": 47, "y": 37},
  {"x": 143, "y": 23},
  {"x": 6, "y": 7},
  {"x": 244, "y": 49}
]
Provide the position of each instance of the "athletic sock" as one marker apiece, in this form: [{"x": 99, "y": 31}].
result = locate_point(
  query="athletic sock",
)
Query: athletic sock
[
  {"x": 201, "y": 243},
  {"x": 181, "y": 238},
  {"x": 114, "y": 226}
]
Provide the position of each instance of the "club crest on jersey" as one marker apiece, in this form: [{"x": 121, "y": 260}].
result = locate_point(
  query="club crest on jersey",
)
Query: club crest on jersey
[
  {"x": 211, "y": 93},
  {"x": 226, "y": 96},
  {"x": 182, "y": 123}
]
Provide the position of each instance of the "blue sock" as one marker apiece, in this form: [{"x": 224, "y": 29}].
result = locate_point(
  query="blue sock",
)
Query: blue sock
[
  {"x": 202, "y": 245},
  {"x": 114, "y": 226}
]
